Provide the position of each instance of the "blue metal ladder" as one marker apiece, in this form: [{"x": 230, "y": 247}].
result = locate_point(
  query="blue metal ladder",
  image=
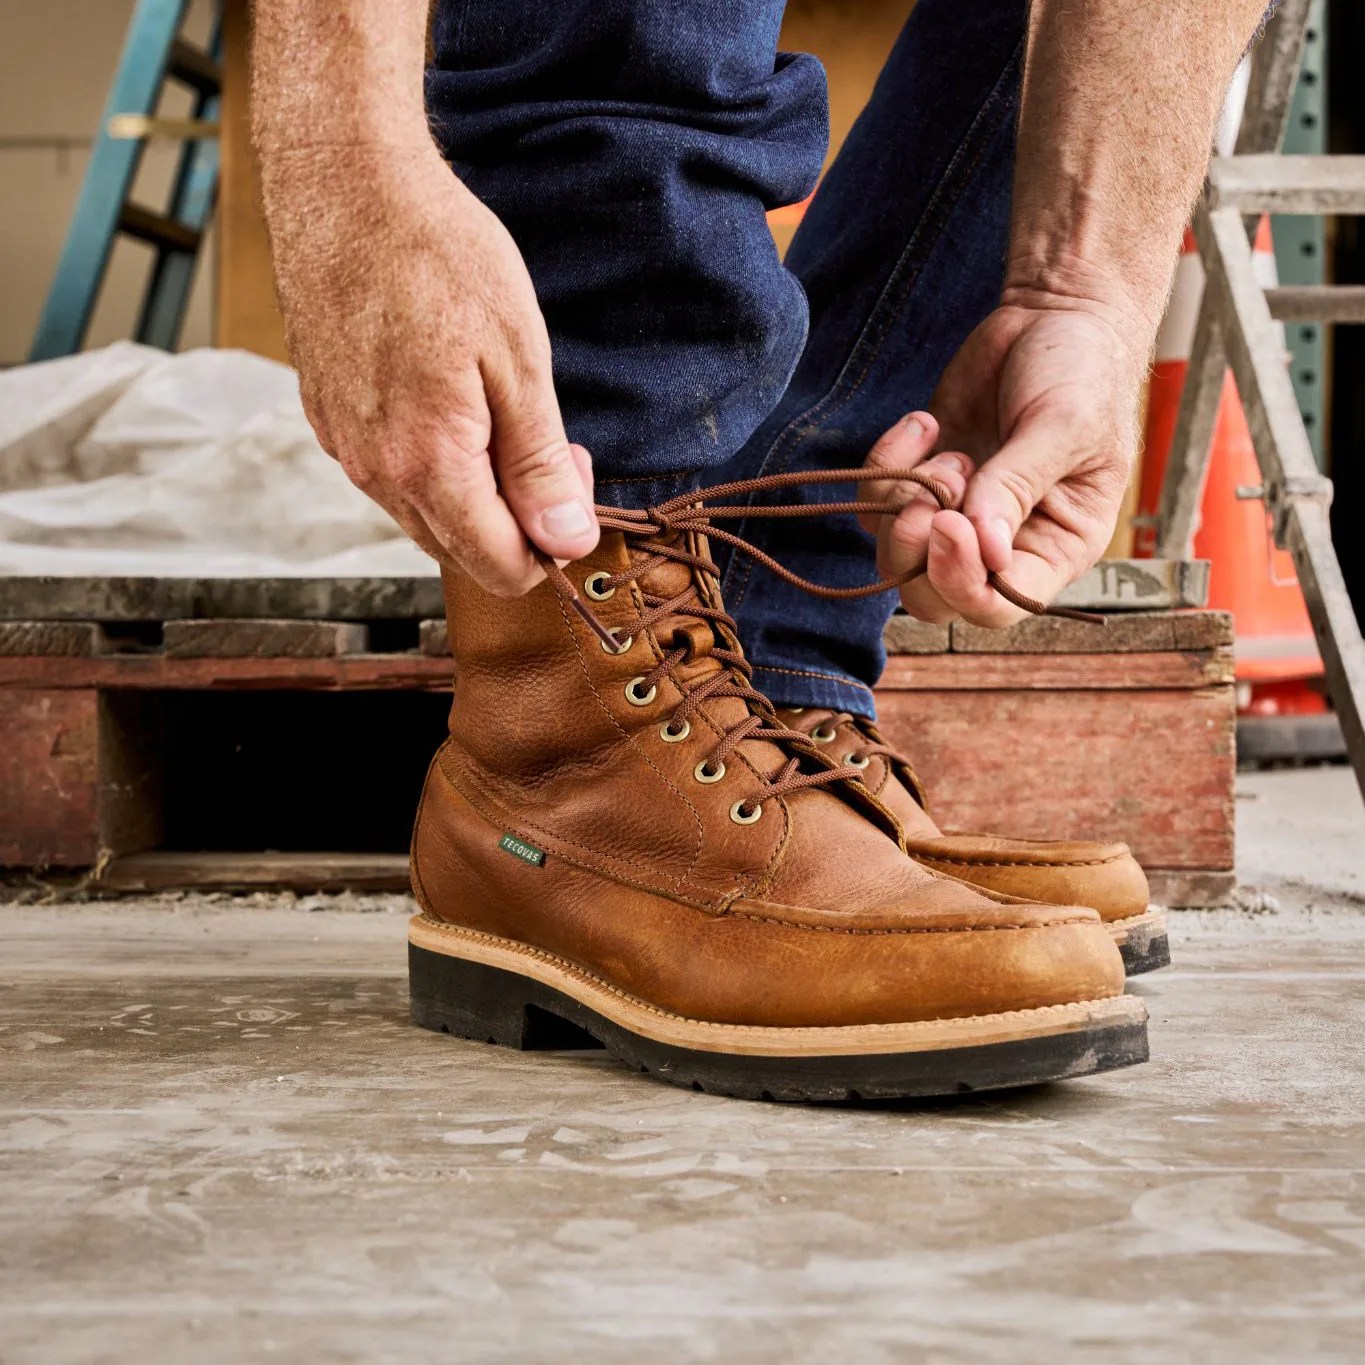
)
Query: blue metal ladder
[{"x": 153, "y": 53}]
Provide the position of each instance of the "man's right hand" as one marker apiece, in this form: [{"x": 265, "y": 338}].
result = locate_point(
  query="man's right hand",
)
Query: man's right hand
[{"x": 423, "y": 358}]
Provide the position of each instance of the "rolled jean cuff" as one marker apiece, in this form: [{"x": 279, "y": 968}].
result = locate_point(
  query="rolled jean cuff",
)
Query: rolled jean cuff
[
  {"x": 787, "y": 687},
  {"x": 645, "y": 491}
]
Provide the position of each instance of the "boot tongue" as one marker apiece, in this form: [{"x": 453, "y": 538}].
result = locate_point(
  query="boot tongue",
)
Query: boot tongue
[
  {"x": 671, "y": 578},
  {"x": 888, "y": 780},
  {"x": 667, "y": 577}
]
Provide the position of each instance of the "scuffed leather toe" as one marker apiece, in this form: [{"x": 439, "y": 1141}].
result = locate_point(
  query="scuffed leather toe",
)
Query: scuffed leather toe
[{"x": 1105, "y": 876}]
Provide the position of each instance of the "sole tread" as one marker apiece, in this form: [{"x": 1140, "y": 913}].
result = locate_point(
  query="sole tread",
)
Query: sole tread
[{"x": 472, "y": 999}]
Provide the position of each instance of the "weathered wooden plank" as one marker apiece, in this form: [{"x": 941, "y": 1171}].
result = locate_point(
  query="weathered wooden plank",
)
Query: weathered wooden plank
[
  {"x": 79, "y": 776},
  {"x": 54, "y": 598},
  {"x": 56, "y": 639},
  {"x": 433, "y": 639},
  {"x": 1158, "y": 631},
  {"x": 969, "y": 672},
  {"x": 228, "y": 639},
  {"x": 131, "y": 805},
  {"x": 972, "y": 673},
  {"x": 1190, "y": 889},
  {"x": 1317, "y": 303},
  {"x": 1112, "y": 585},
  {"x": 1155, "y": 632},
  {"x": 1204, "y": 629},
  {"x": 1191, "y": 629},
  {"x": 1275, "y": 63},
  {"x": 1287, "y": 184},
  {"x": 1182, "y": 485},
  {"x": 1154, "y": 768},
  {"x": 905, "y": 635},
  {"x": 49, "y": 778},
  {"x": 172, "y": 870},
  {"x": 394, "y": 672}
]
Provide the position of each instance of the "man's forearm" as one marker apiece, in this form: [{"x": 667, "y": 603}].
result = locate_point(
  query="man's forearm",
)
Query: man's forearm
[
  {"x": 1119, "y": 105},
  {"x": 337, "y": 73}
]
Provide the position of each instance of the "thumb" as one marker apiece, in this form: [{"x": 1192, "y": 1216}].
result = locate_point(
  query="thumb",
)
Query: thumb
[
  {"x": 545, "y": 481},
  {"x": 1009, "y": 485}
]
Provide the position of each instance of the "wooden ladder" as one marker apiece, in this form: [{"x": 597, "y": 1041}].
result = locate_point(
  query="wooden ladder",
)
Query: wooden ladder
[
  {"x": 153, "y": 54},
  {"x": 1237, "y": 328}
]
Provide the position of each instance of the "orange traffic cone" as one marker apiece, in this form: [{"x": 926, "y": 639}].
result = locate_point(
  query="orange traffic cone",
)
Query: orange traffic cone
[{"x": 1249, "y": 577}]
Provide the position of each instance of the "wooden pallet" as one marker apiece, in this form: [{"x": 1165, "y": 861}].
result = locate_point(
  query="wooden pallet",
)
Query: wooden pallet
[{"x": 166, "y": 743}]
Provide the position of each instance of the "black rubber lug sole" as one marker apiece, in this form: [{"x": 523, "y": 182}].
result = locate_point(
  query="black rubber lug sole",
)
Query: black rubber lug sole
[
  {"x": 1145, "y": 954},
  {"x": 471, "y": 1000}
]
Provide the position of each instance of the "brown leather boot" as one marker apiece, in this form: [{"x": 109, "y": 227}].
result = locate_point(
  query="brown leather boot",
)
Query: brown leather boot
[
  {"x": 1055, "y": 871},
  {"x": 627, "y": 846}
]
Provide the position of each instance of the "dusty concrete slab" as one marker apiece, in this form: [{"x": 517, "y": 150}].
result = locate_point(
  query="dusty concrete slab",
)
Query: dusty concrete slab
[{"x": 220, "y": 1140}]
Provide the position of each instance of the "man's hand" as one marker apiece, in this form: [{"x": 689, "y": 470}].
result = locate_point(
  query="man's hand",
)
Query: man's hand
[
  {"x": 1035, "y": 418},
  {"x": 1115, "y": 124},
  {"x": 423, "y": 358}
]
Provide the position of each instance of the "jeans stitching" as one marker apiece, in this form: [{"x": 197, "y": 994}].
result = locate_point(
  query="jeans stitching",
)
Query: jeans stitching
[{"x": 813, "y": 673}]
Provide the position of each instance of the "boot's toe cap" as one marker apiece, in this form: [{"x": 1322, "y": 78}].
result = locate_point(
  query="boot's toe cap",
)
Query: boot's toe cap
[
  {"x": 949, "y": 963},
  {"x": 1104, "y": 876}
]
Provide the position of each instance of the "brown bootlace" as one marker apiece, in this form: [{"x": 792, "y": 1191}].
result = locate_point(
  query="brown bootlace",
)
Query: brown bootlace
[{"x": 649, "y": 528}]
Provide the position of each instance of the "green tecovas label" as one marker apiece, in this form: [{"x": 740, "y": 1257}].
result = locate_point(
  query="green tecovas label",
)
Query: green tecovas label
[{"x": 519, "y": 848}]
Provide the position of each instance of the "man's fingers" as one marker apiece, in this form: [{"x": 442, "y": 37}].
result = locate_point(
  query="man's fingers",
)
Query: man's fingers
[
  {"x": 539, "y": 474},
  {"x": 903, "y": 540},
  {"x": 407, "y": 517},
  {"x": 466, "y": 511},
  {"x": 955, "y": 586},
  {"x": 957, "y": 579},
  {"x": 1010, "y": 485},
  {"x": 904, "y": 446}
]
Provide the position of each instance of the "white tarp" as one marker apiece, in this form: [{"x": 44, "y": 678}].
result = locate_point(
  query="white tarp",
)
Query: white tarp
[{"x": 127, "y": 460}]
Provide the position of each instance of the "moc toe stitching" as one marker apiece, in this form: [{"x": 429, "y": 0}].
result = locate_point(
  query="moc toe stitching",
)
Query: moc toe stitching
[
  {"x": 1086, "y": 918},
  {"x": 1018, "y": 862}
]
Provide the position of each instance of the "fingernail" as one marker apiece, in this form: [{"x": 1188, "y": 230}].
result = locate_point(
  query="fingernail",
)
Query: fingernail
[
  {"x": 958, "y": 462},
  {"x": 565, "y": 519},
  {"x": 913, "y": 425}
]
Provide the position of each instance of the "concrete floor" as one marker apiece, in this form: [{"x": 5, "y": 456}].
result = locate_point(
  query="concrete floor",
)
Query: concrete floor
[{"x": 220, "y": 1140}]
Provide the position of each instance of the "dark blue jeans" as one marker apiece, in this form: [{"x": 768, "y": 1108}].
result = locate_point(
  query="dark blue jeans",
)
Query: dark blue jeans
[{"x": 632, "y": 147}]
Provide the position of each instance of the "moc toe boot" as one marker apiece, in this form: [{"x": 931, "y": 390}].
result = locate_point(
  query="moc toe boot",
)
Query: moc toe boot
[
  {"x": 1104, "y": 876},
  {"x": 622, "y": 846}
]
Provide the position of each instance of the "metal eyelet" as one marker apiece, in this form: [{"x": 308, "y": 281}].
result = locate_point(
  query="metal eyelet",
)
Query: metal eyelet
[
  {"x": 822, "y": 734},
  {"x": 704, "y": 773},
  {"x": 590, "y": 587},
  {"x": 857, "y": 760},
  {"x": 637, "y": 698},
  {"x": 672, "y": 736},
  {"x": 740, "y": 818},
  {"x": 622, "y": 645}
]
